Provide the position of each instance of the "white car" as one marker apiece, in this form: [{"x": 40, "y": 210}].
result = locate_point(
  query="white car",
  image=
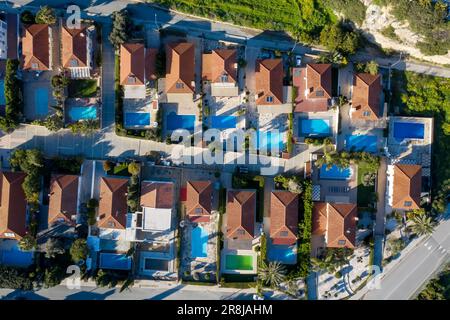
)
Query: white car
[{"x": 298, "y": 60}]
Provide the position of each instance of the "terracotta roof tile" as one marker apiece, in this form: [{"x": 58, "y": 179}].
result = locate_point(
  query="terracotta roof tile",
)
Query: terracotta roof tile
[
  {"x": 74, "y": 47},
  {"x": 318, "y": 80},
  {"x": 336, "y": 221},
  {"x": 180, "y": 67},
  {"x": 63, "y": 198},
  {"x": 36, "y": 47},
  {"x": 218, "y": 63},
  {"x": 283, "y": 217},
  {"x": 13, "y": 206},
  {"x": 302, "y": 102},
  {"x": 241, "y": 214},
  {"x": 132, "y": 64},
  {"x": 157, "y": 194},
  {"x": 198, "y": 201},
  {"x": 366, "y": 96},
  {"x": 113, "y": 208},
  {"x": 407, "y": 186},
  {"x": 269, "y": 81}
]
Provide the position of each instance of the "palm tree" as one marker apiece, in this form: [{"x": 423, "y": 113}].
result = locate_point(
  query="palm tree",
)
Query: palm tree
[
  {"x": 326, "y": 264},
  {"x": 273, "y": 274},
  {"x": 422, "y": 225}
]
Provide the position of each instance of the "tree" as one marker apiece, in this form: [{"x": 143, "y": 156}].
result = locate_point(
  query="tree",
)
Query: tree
[
  {"x": 272, "y": 274},
  {"x": 27, "y": 17},
  {"x": 422, "y": 225},
  {"x": 46, "y": 15},
  {"x": 53, "y": 247},
  {"x": 121, "y": 28},
  {"x": 134, "y": 168},
  {"x": 108, "y": 165},
  {"x": 28, "y": 242},
  {"x": 79, "y": 250},
  {"x": 336, "y": 38},
  {"x": 372, "y": 67}
]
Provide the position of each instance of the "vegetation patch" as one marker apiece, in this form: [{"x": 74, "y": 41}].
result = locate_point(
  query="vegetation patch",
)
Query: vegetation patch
[{"x": 84, "y": 88}]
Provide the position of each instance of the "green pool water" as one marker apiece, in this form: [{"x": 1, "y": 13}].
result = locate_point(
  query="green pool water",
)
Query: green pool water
[{"x": 234, "y": 262}]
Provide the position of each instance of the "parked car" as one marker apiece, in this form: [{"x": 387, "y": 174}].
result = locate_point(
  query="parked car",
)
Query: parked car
[{"x": 298, "y": 60}]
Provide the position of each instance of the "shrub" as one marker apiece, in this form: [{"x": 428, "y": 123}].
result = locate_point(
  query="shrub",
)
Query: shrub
[
  {"x": 13, "y": 278},
  {"x": 79, "y": 250},
  {"x": 46, "y": 15},
  {"x": 121, "y": 29},
  {"x": 26, "y": 17}
]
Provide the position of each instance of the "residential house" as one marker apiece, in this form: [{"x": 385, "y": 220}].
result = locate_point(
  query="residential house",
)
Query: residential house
[
  {"x": 269, "y": 82},
  {"x": 336, "y": 223},
  {"x": 36, "y": 48},
  {"x": 220, "y": 70},
  {"x": 137, "y": 68},
  {"x": 314, "y": 87},
  {"x": 113, "y": 209},
  {"x": 77, "y": 51},
  {"x": 199, "y": 200},
  {"x": 283, "y": 217},
  {"x": 180, "y": 69},
  {"x": 13, "y": 206},
  {"x": 241, "y": 215},
  {"x": 63, "y": 199},
  {"x": 407, "y": 186},
  {"x": 366, "y": 97}
]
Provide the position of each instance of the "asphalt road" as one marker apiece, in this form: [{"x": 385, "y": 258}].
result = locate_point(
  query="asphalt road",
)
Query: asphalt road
[
  {"x": 415, "y": 268},
  {"x": 61, "y": 292}
]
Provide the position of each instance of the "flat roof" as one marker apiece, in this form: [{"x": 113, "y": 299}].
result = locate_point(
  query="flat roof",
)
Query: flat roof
[{"x": 157, "y": 219}]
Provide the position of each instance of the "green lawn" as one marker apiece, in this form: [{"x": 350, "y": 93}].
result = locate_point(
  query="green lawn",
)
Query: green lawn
[
  {"x": 85, "y": 88},
  {"x": 120, "y": 169},
  {"x": 364, "y": 193}
]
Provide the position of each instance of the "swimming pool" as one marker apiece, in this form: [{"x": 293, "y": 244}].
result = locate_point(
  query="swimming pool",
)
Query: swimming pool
[
  {"x": 361, "y": 143},
  {"x": 235, "y": 262},
  {"x": 175, "y": 121},
  {"x": 16, "y": 258},
  {"x": 283, "y": 254},
  {"x": 41, "y": 101},
  {"x": 156, "y": 264},
  {"x": 115, "y": 261},
  {"x": 199, "y": 240},
  {"x": 408, "y": 130},
  {"x": 223, "y": 122},
  {"x": 335, "y": 173},
  {"x": 314, "y": 128},
  {"x": 268, "y": 140},
  {"x": 137, "y": 119},
  {"x": 83, "y": 113}
]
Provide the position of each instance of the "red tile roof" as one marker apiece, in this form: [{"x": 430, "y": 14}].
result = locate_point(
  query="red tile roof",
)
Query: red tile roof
[
  {"x": 241, "y": 214},
  {"x": 36, "y": 47},
  {"x": 180, "y": 67},
  {"x": 318, "y": 80},
  {"x": 407, "y": 186},
  {"x": 218, "y": 63},
  {"x": 63, "y": 200},
  {"x": 13, "y": 206},
  {"x": 336, "y": 221},
  {"x": 74, "y": 47},
  {"x": 199, "y": 198},
  {"x": 283, "y": 217},
  {"x": 132, "y": 64},
  {"x": 269, "y": 81},
  {"x": 366, "y": 96},
  {"x": 311, "y": 103},
  {"x": 157, "y": 194},
  {"x": 113, "y": 208}
]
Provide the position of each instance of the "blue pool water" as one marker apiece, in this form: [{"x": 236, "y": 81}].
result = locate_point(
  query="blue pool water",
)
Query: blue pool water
[
  {"x": 41, "y": 101},
  {"x": 223, "y": 122},
  {"x": 199, "y": 239},
  {"x": 175, "y": 121},
  {"x": 115, "y": 261},
  {"x": 408, "y": 130},
  {"x": 83, "y": 113},
  {"x": 335, "y": 173},
  {"x": 268, "y": 140},
  {"x": 133, "y": 119},
  {"x": 361, "y": 143},
  {"x": 16, "y": 257},
  {"x": 314, "y": 128},
  {"x": 283, "y": 254}
]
